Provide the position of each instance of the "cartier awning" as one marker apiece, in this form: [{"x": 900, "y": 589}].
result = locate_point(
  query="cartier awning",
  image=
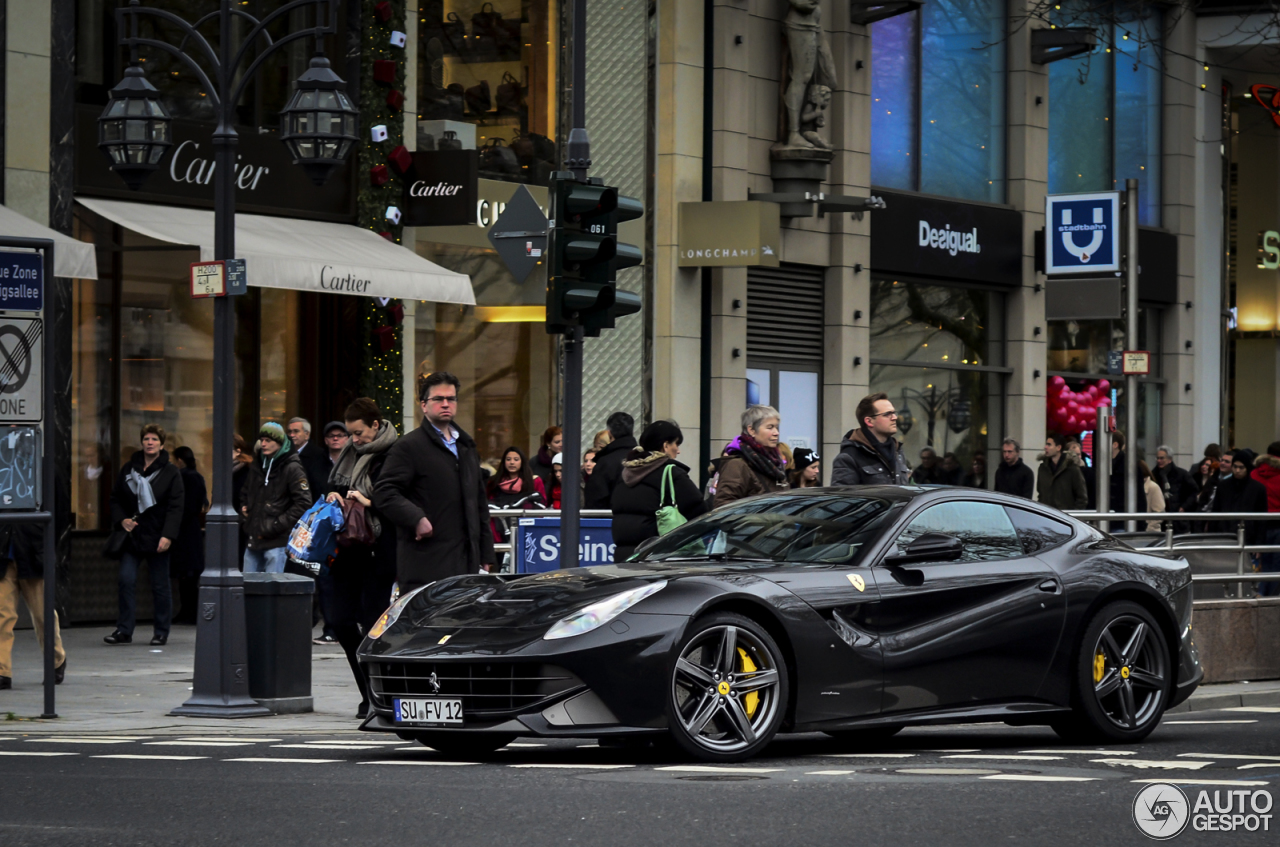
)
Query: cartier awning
[{"x": 318, "y": 256}]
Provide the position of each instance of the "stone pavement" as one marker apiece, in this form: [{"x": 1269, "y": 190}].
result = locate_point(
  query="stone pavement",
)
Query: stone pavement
[{"x": 130, "y": 688}]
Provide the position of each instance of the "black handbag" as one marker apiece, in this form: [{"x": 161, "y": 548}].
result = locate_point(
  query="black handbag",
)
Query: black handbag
[
  {"x": 479, "y": 100},
  {"x": 116, "y": 541},
  {"x": 509, "y": 96},
  {"x": 497, "y": 158}
]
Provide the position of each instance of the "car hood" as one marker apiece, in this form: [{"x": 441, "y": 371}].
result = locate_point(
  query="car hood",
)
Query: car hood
[{"x": 489, "y": 601}]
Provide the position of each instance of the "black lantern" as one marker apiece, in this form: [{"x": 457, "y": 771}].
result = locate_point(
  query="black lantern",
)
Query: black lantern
[
  {"x": 906, "y": 420},
  {"x": 960, "y": 416},
  {"x": 319, "y": 124},
  {"x": 134, "y": 129}
]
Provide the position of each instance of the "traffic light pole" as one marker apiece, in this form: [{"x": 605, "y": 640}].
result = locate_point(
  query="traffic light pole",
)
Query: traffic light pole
[{"x": 578, "y": 160}]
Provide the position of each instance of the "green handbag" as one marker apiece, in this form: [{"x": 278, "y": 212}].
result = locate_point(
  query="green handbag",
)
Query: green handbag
[{"x": 668, "y": 515}]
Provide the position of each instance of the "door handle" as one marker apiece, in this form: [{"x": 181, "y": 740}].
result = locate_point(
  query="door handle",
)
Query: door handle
[{"x": 1050, "y": 586}]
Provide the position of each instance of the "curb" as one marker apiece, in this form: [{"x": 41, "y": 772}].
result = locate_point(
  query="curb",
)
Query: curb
[{"x": 1206, "y": 699}]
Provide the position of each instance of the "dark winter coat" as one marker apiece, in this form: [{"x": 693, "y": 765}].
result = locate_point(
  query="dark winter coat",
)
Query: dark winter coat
[
  {"x": 164, "y": 519},
  {"x": 860, "y": 463},
  {"x": 24, "y": 543},
  {"x": 635, "y": 501},
  {"x": 187, "y": 553},
  {"x": 276, "y": 493},
  {"x": 541, "y": 467},
  {"x": 1018, "y": 479},
  {"x": 1177, "y": 484},
  {"x": 1062, "y": 485},
  {"x": 1241, "y": 495},
  {"x": 317, "y": 464},
  {"x": 608, "y": 473},
  {"x": 422, "y": 478}
]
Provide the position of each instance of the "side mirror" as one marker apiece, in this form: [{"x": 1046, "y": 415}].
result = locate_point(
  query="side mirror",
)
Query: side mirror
[{"x": 930, "y": 547}]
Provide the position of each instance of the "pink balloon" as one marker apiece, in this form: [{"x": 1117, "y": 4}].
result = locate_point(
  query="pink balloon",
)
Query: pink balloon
[
  {"x": 1104, "y": 386},
  {"x": 1092, "y": 391},
  {"x": 1106, "y": 401},
  {"x": 1056, "y": 381}
]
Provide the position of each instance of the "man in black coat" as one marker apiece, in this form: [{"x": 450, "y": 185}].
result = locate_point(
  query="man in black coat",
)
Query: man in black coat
[
  {"x": 869, "y": 454},
  {"x": 432, "y": 490},
  {"x": 147, "y": 502},
  {"x": 22, "y": 572},
  {"x": 605, "y": 478},
  {"x": 1178, "y": 484},
  {"x": 1013, "y": 476}
]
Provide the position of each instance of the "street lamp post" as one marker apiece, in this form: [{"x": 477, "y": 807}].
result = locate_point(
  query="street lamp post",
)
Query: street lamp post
[{"x": 319, "y": 129}]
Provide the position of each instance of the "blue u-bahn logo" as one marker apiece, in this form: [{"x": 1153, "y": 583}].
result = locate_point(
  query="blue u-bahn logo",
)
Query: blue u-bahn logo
[{"x": 1083, "y": 233}]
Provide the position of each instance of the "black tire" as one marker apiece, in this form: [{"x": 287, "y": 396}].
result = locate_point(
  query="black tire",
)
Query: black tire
[
  {"x": 708, "y": 713},
  {"x": 1121, "y": 679},
  {"x": 872, "y": 736},
  {"x": 464, "y": 743}
]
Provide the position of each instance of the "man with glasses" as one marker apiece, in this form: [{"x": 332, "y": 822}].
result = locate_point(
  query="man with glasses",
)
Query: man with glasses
[
  {"x": 432, "y": 490},
  {"x": 1013, "y": 476},
  {"x": 869, "y": 454}
]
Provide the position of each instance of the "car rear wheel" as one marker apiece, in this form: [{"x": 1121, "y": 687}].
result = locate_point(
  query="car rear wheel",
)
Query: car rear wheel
[
  {"x": 463, "y": 743},
  {"x": 727, "y": 692},
  {"x": 1122, "y": 677}
]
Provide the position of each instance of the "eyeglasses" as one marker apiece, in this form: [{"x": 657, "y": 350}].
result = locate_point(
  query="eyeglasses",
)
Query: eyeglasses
[
  {"x": 335, "y": 434},
  {"x": 889, "y": 414},
  {"x": 443, "y": 400}
]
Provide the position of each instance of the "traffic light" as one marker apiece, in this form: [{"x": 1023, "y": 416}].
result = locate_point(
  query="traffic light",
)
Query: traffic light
[{"x": 585, "y": 255}]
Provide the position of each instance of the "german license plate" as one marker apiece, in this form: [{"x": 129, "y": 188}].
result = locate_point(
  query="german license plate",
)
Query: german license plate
[{"x": 436, "y": 712}]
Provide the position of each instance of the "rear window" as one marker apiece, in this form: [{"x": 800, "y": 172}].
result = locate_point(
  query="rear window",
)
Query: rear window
[{"x": 1037, "y": 532}]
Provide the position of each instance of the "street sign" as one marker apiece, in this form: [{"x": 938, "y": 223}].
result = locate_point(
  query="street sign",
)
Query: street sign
[
  {"x": 520, "y": 234},
  {"x": 20, "y": 467},
  {"x": 237, "y": 277},
  {"x": 1082, "y": 233},
  {"x": 1137, "y": 362},
  {"x": 21, "y": 370},
  {"x": 537, "y": 544},
  {"x": 21, "y": 282},
  {"x": 1115, "y": 362},
  {"x": 208, "y": 279}
]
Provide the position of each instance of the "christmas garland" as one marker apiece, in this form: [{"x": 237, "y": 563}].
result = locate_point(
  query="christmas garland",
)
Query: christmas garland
[{"x": 383, "y": 160}]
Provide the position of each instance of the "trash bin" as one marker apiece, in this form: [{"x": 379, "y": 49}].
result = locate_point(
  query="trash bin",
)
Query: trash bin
[{"x": 277, "y": 611}]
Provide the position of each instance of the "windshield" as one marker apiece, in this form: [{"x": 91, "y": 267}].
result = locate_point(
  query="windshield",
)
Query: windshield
[{"x": 829, "y": 528}]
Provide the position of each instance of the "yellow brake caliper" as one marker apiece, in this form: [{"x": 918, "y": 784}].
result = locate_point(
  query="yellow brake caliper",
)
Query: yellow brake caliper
[
  {"x": 752, "y": 701},
  {"x": 1099, "y": 666}
]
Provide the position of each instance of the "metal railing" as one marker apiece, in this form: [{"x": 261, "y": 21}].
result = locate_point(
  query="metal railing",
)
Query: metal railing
[{"x": 1168, "y": 519}]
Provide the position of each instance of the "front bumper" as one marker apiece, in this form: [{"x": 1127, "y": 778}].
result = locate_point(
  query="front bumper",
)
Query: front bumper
[{"x": 611, "y": 681}]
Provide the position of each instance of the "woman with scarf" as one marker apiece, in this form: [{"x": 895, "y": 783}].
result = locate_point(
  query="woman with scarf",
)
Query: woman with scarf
[
  {"x": 363, "y": 574},
  {"x": 639, "y": 495},
  {"x": 513, "y": 482},
  {"x": 754, "y": 465}
]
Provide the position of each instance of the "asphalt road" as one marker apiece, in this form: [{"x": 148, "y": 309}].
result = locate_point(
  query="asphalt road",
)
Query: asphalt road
[{"x": 969, "y": 785}]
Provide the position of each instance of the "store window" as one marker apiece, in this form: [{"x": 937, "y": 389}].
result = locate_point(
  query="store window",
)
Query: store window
[
  {"x": 938, "y": 352},
  {"x": 1105, "y": 106},
  {"x": 938, "y": 100},
  {"x": 487, "y": 81}
]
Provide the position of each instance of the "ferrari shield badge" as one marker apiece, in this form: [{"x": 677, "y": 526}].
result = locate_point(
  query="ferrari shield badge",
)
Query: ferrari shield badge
[{"x": 858, "y": 582}]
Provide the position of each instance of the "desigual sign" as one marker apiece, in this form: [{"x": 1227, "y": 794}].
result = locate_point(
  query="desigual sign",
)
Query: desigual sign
[
  {"x": 952, "y": 240},
  {"x": 267, "y": 182},
  {"x": 922, "y": 236}
]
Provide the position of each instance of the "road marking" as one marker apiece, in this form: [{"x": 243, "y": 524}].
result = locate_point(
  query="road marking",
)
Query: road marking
[
  {"x": 70, "y": 738},
  {"x": 413, "y": 762},
  {"x": 82, "y": 740},
  {"x": 148, "y": 757},
  {"x": 1257, "y": 765},
  {"x": 198, "y": 744},
  {"x": 1144, "y": 764},
  {"x": 325, "y": 747},
  {"x": 1010, "y": 757},
  {"x": 560, "y": 766},
  {"x": 1085, "y": 752},
  {"x": 525, "y": 744},
  {"x": 1188, "y": 723},
  {"x": 1024, "y": 777},
  {"x": 828, "y": 773},
  {"x": 870, "y": 755},
  {"x": 287, "y": 761},
  {"x": 714, "y": 769},
  {"x": 1204, "y": 781},
  {"x": 1228, "y": 756},
  {"x": 959, "y": 750},
  {"x": 360, "y": 741},
  {"x": 1269, "y": 710},
  {"x": 946, "y": 771},
  {"x": 33, "y": 753},
  {"x": 230, "y": 738}
]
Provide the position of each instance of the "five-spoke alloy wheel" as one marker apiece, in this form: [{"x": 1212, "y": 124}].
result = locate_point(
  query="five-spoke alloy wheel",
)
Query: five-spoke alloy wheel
[
  {"x": 1122, "y": 677},
  {"x": 728, "y": 689}
]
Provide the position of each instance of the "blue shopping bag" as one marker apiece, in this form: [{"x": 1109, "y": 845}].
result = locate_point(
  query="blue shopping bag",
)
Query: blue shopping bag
[{"x": 315, "y": 535}]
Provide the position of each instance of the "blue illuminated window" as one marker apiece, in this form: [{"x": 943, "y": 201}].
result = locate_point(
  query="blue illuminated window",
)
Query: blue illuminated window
[{"x": 894, "y": 82}]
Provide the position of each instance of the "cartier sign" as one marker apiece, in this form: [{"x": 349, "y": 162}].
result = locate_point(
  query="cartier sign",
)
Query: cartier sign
[
  {"x": 441, "y": 188},
  {"x": 267, "y": 182}
]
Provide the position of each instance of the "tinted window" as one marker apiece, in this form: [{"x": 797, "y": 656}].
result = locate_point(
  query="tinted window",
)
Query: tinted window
[
  {"x": 985, "y": 529},
  {"x": 1038, "y": 532},
  {"x": 815, "y": 529}
]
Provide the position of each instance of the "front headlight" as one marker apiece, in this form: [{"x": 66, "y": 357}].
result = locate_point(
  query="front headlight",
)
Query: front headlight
[
  {"x": 392, "y": 614},
  {"x": 598, "y": 614}
]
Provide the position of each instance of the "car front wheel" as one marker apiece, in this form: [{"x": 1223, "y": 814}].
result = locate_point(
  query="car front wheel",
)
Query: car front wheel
[
  {"x": 727, "y": 691},
  {"x": 1122, "y": 677}
]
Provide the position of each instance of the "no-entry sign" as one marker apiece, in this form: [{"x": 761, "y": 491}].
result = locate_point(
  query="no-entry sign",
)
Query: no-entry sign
[{"x": 21, "y": 370}]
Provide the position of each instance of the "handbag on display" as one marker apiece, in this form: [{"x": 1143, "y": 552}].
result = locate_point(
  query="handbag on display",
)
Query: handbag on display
[
  {"x": 497, "y": 158},
  {"x": 485, "y": 25},
  {"x": 479, "y": 100},
  {"x": 509, "y": 96},
  {"x": 668, "y": 514},
  {"x": 452, "y": 33},
  {"x": 450, "y": 141},
  {"x": 357, "y": 529}
]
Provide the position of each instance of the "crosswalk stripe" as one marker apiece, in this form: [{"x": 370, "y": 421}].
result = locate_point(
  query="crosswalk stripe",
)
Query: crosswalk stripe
[
  {"x": 1026, "y": 777},
  {"x": 82, "y": 740},
  {"x": 1258, "y": 765},
  {"x": 828, "y": 773},
  {"x": 713, "y": 769},
  {"x": 1003, "y": 757},
  {"x": 34, "y": 753},
  {"x": 325, "y": 747},
  {"x": 1270, "y": 710},
  {"x": 197, "y": 744},
  {"x": 869, "y": 755},
  {"x": 246, "y": 739},
  {"x": 286, "y": 761},
  {"x": 1189, "y": 723},
  {"x": 1084, "y": 752},
  {"x": 1228, "y": 756},
  {"x": 1143, "y": 764},
  {"x": 1245, "y": 782},
  {"x": 148, "y": 757},
  {"x": 566, "y": 766},
  {"x": 416, "y": 762}
]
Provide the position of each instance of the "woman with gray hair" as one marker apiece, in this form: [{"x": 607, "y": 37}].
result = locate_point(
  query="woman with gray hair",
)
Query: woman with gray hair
[{"x": 754, "y": 465}]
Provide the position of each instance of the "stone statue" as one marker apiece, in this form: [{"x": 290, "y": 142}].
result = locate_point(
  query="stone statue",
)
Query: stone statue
[{"x": 811, "y": 77}]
